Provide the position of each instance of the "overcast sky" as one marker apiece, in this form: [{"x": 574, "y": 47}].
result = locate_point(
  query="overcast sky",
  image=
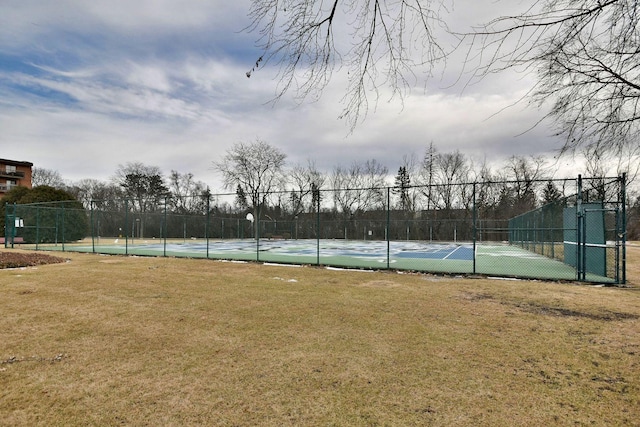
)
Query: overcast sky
[{"x": 88, "y": 85}]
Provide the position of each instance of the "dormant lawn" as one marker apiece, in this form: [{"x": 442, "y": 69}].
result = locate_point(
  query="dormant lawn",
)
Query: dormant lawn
[{"x": 108, "y": 340}]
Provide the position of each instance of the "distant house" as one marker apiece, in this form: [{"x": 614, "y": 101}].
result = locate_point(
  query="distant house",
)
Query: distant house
[{"x": 14, "y": 174}]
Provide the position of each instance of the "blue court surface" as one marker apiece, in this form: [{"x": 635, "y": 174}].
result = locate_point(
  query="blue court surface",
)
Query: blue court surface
[
  {"x": 460, "y": 252},
  {"x": 310, "y": 248},
  {"x": 438, "y": 257}
]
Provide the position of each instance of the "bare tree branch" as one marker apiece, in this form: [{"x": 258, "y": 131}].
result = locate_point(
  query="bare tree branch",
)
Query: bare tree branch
[
  {"x": 300, "y": 36},
  {"x": 585, "y": 55}
]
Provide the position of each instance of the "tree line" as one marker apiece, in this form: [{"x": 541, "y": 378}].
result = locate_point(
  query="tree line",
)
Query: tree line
[
  {"x": 257, "y": 175},
  {"x": 438, "y": 185}
]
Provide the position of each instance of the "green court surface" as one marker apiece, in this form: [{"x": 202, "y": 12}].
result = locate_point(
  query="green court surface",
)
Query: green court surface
[{"x": 447, "y": 258}]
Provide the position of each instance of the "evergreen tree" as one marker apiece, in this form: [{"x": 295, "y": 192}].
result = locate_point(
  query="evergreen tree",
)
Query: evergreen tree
[
  {"x": 241, "y": 197},
  {"x": 550, "y": 193},
  {"x": 54, "y": 215},
  {"x": 401, "y": 187}
]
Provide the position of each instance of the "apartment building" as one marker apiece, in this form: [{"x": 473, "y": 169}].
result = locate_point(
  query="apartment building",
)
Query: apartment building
[{"x": 13, "y": 174}]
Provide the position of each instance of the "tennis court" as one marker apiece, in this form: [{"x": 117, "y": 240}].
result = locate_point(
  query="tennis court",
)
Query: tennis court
[
  {"x": 448, "y": 258},
  {"x": 579, "y": 236}
]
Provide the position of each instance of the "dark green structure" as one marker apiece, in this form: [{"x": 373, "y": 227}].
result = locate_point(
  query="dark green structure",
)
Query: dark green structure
[{"x": 585, "y": 247}]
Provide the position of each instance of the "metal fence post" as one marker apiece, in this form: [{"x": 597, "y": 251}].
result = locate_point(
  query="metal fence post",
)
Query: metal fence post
[
  {"x": 318, "y": 232},
  {"x": 623, "y": 226},
  {"x": 475, "y": 227},
  {"x": 6, "y": 226},
  {"x": 37, "y": 226},
  {"x": 579, "y": 232},
  {"x": 388, "y": 228},
  {"x": 63, "y": 226},
  {"x": 12, "y": 225},
  {"x": 126, "y": 226},
  {"x": 257, "y": 222},
  {"x": 164, "y": 228},
  {"x": 93, "y": 233},
  {"x": 208, "y": 218}
]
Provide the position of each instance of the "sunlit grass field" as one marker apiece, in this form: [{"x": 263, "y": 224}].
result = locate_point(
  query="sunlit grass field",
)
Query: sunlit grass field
[{"x": 110, "y": 340}]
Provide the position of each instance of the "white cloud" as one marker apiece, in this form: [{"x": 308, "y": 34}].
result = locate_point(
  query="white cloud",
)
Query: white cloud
[
  {"x": 101, "y": 83},
  {"x": 30, "y": 17},
  {"x": 148, "y": 76}
]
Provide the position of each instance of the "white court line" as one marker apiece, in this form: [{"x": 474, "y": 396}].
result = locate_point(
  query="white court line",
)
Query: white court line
[{"x": 452, "y": 252}]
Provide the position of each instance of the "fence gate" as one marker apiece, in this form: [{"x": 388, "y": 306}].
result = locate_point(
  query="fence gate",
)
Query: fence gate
[{"x": 584, "y": 239}]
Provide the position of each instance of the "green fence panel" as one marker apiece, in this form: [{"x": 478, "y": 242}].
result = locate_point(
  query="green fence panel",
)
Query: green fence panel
[{"x": 488, "y": 228}]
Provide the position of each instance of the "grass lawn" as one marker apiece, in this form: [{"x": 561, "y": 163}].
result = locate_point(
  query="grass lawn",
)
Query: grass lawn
[{"x": 110, "y": 340}]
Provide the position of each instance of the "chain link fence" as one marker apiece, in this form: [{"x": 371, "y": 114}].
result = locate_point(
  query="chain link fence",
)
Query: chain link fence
[{"x": 571, "y": 229}]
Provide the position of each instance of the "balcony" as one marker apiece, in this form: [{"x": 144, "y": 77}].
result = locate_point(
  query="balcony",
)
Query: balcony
[
  {"x": 11, "y": 174},
  {"x": 6, "y": 187}
]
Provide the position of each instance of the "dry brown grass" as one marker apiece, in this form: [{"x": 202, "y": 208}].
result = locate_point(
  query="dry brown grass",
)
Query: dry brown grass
[{"x": 105, "y": 340}]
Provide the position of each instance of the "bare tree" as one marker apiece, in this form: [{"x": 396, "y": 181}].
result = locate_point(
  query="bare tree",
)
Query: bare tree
[
  {"x": 452, "y": 172},
  {"x": 525, "y": 174},
  {"x": 600, "y": 163},
  {"x": 411, "y": 165},
  {"x": 595, "y": 166},
  {"x": 489, "y": 189},
  {"x": 305, "y": 181},
  {"x": 93, "y": 193},
  {"x": 254, "y": 169},
  {"x": 187, "y": 194},
  {"x": 50, "y": 177},
  {"x": 445, "y": 177},
  {"x": 360, "y": 187},
  {"x": 585, "y": 53},
  {"x": 300, "y": 36},
  {"x": 427, "y": 172}
]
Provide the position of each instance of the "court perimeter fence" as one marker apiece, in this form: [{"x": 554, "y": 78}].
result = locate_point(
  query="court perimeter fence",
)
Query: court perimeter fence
[{"x": 569, "y": 229}]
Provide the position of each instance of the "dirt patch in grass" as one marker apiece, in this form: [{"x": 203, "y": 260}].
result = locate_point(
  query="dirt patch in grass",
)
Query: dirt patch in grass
[
  {"x": 26, "y": 259},
  {"x": 566, "y": 312},
  {"x": 379, "y": 284},
  {"x": 552, "y": 310}
]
